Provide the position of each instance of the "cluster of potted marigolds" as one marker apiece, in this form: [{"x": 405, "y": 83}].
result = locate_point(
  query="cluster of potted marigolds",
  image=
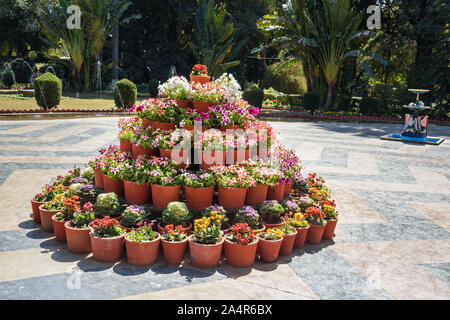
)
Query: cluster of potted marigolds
[{"x": 220, "y": 184}]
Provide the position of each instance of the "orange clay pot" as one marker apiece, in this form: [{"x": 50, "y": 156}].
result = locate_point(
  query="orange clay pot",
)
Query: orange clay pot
[
  {"x": 163, "y": 125},
  {"x": 107, "y": 249},
  {"x": 302, "y": 233},
  {"x": 192, "y": 128},
  {"x": 198, "y": 198},
  {"x": 186, "y": 230},
  {"x": 232, "y": 198},
  {"x": 138, "y": 150},
  {"x": 46, "y": 218},
  {"x": 276, "y": 192},
  {"x": 183, "y": 104},
  {"x": 98, "y": 178},
  {"x": 163, "y": 195},
  {"x": 202, "y": 106},
  {"x": 205, "y": 255},
  {"x": 269, "y": 249},
  {"x": 35, "y": 207},
  {"x": 288, "y": 244},
  {"x": 145, "y": 123},
  {"x": 272, "y": 225},
  {"x": 111, "y": 185},
  {"x": 78, "y": 240},
  {"x": 232, "y": 127},
  {"x": 240, "y": 255},
  {"x": 173, "y": 251},
  {"x": 288, "y": 188},
  {"x": 256, "y": 194},
  {"x": 199, "y": 79},
  {"x": 215, "y": 157},
  {"x": 143, "y": 253},
  {"x": 315, "y": 233},
  {"x": 329, "y": 229},
  {"x": 136, "y": 193},
  {"x": 125, "y": 146},
  {"x": 179, "y": 156},
  {"x": 58, "y": 229}
]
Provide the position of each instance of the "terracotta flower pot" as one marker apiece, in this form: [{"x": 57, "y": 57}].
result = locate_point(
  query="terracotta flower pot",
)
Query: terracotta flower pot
[
  {"x": 163, "y": 125},
  {"x": 78, "y": 240},
  {"x": 162, "y": 195},
  {"x": 107, "y": 249},
  {"x": 329, "y": 229},
  {"x": 35, "y": 207},
  {"x": 145, "y": 123},
  {"x": 199, "y": 79},
  {"x": 288, "y": 243},
  {"x": 138, "y": 150},
  {"x": 302, "y": 233},
  {"x": 205, "y": 255},
  {"x": 215, "y": 157},
  {"x": 202, "y": 106},
  {"x": 183, "y": 104},
  {"x": 272, "y": 225},
  {"x": 59, "y": 230},
  {"x": 186, "y": 230},
  {"x": 288, "y": 188},
  {"x": 98, "y": 178},
  {"x": 142, "y": 253},
  {"x": 231, "y": 127},
  {"x": 232, "y": 198},
  {"x": 192, "y": 128},
  {"x": 276, "y": 192},
  {"x": 46, "y": 218},
  {"x": 269, "y": 249},
  {"x": 260, "y": 228},
  {"x": 240, "y": 156},
  {"x": 240, "y": 255},
  {"x": 315, "y": 233},
  {"x": 256, "y": 194},
  {"x": 173, "y": 251},
  {"x": 111, "y": 185},
  {"x": 136, "y": 193},
  {"x": 178, "y": 155},
  {"x": 125, "y": 146},
  {"x": 199, "y": 198}
]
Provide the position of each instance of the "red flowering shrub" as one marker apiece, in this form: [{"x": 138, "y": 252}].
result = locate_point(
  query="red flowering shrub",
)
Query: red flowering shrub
[
  {"x": 199, "y": 70},
  {"x": 241, "y": 233}
]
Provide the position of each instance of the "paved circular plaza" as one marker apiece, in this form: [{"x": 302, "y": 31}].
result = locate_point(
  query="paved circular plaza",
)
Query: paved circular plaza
[{"x": 392, "y": 240}]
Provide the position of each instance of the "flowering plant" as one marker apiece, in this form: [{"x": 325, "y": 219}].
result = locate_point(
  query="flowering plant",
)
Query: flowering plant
[
  {"x": 249, "y": 216},
  {"x": 145, "y": 137},
  {"x": 290, "y": 206},
  {"x": 229, "y": 87},
  {"x": 190, "y": 116},
  {"x": 159, "y": 110},
  {"x": 287, "y": 228},
  {"x": 199, "y": 179},
  {"x": 67, "y": 180},
  {"x": 261, "y": 172},
  {"x": 56, "y": 204},
  {"x": 271, "y": 211},
  {"x": 218, "y": 214},
  {"x": 300, "y": 186},
  {"x": 170, "y": 139},
  {"x": 314, "y": 216},
  {"x": 137, "y": 170},
  {"x": 88, "y": 174},
  {"x": 177, "y": 88},
  {"x": 132, "y": 215},
  {"x": 127, "y": 127},
  {"x": 199, "y": 70},
  {"x": 271, "y": 234},
  {"x": 88, "y": 193},
  {"x": 104, "y": 155},
  {"x": 172, "y": 233},
  {"x": 297, "y": 221},
  {"x": 233, "y": 176},
  {"x": 211, "y": 140},
  {"x": 176, "y": 213},
  {"x": 49, "y": 192},
  {"x": 262, "y": 132},
  {"x": 236, "y": 113},
  {"x": 288, "y": 162},
  {"x": 70, "y": 206},
  {"x": 318, "y": 194},
  {"x": 164, "y": 172},
  {"x": 106, "y": 228},
  {"x": 242, "y": 234},
  {"x": 315, "y": 182},
  {"x": 329, "y": 212},
  {"x": 107, "y": 204},
  {"x": 82, "y": 219},
  {"x": 206, "y": 231},
  {"x": 145, "y": 233},
  {"x": 206, "y": 92},
  {"x": 114, "y": 165}
]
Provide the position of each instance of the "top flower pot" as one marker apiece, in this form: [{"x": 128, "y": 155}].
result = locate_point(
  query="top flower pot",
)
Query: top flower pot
[{"x": 200, "y": 79}]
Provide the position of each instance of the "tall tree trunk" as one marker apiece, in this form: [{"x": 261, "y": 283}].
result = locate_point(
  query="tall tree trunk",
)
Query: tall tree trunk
[{"x": 330, "y": 96}]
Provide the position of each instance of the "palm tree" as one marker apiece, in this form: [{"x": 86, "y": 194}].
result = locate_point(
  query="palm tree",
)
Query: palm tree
[{"x": 216, "y": 39}]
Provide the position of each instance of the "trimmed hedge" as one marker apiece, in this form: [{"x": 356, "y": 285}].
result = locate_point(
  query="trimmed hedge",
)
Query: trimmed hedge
[
  {"x": 254, "y": 95},
  {"x": 368, "y": 106},
  {"x": 8, "y": 79},
  {"x": 47, "y": 90},
  {"x": 125, "y": 94},
  {"x": 289, "y": 80}
]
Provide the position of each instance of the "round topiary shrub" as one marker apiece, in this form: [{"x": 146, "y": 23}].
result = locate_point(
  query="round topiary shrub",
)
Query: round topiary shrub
[
  {"x": 47, "y": 90},
  {"x": 125, "y": 94},
  {"x": 290, "y": 79},
  {"x": 254, "y": 95},
  {"x": 311, "y": 101},
  {"x": 368, "y": 106},
  {"x": 8, "y": 78}
]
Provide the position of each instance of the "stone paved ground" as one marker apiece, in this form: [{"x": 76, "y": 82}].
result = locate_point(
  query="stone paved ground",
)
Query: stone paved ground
[{"x": 392, "y": 240}]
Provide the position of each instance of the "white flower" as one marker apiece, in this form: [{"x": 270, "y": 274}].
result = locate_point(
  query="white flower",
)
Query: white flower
[{"x": 177, "y": 87}]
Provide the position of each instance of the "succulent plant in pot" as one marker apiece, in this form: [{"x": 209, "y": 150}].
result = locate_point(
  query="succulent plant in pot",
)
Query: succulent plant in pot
[
  {"x": 132, "y": 216},
  {"x": 176, "y": 213},
  {"x": 249, "y": 216},
  {"x": 271, "y": 212},
  {"x": 107, "y": 205}
]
